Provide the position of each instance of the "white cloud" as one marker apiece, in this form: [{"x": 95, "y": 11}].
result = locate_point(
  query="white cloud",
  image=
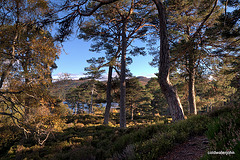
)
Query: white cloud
[
  {"x": 104, "y": 77},
  {"x": 71, "y": 76},
  {"x": 150, "y": 75}
]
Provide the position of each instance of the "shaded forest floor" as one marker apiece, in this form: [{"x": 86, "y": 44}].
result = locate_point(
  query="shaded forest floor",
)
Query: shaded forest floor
[{"x": 84, "y": 138}]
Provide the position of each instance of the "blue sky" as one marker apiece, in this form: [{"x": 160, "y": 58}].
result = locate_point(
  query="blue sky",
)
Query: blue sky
[{"x": 75, "y": 53}]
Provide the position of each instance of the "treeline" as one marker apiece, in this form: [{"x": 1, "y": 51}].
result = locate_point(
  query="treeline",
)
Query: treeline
[{"x": 148, "y": 100}]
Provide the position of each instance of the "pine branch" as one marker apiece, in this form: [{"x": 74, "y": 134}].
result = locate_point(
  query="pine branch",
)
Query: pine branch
[
  {"x": 204, "y": 21},
  {"x": 102, "y": 2}
]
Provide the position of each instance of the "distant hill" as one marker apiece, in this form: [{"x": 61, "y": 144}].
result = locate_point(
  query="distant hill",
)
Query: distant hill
[
  {"x": 143, "y": 80},
  {"x": 60, "y": 88}
]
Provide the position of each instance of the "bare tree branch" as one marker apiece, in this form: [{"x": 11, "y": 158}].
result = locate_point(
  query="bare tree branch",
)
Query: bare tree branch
[{"x": 203, "y": 22}]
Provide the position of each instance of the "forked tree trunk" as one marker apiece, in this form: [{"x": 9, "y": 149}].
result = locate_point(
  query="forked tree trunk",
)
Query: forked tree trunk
[
  {"x": 167, "y": 88},
  {"x": 123, "y": 78},
  {"x": 109, "y": 97}
]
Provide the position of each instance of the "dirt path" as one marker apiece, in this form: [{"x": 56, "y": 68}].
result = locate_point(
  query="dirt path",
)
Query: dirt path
[{"x": 193, "y": 149}]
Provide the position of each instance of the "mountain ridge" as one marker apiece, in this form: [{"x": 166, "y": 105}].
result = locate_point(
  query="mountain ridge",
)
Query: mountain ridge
[{"x": 61, "y": 87}]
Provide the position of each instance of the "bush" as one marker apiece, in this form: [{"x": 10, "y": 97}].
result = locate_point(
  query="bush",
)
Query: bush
[
  {"x": 224, "y": 134},
  {"x": 156, "y": 140},
  {"x": 78, "y": 152},
  {"x": 8, "y": 137}
]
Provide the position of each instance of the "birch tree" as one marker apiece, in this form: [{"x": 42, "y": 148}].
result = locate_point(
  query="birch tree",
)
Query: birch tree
[{"x": 28, "y": 53}]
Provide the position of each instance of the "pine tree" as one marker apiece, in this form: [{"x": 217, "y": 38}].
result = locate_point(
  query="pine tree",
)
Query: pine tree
[
  {"x": 120, "y": 28},
  {"x": 158, "y": 102},
  {"x": 88, "y": 93},
  {"x": 94, "y": 72},
  {"x": 227, "y": 32},
  {"x": 134, "y": 94},
  {"x": 188, "y": 20}
]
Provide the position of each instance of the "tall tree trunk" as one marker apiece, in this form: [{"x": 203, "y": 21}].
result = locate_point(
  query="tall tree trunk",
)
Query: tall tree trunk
[
  {"x": 132, "y": 110},
  {"x": 191, "y": 86},
  {"x": 109, "y": 97},
  {"x": 192, "y": 102},
  {"x": 168, "y": 90},
  {"x": 91, "y": 105},
  {"x": 27, "y": 98},
  {"x": 123, "y": 78},
  {"x": 76, "y": 108}
]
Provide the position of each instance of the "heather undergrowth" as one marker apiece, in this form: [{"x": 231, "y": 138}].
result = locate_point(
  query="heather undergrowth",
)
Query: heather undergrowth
[
  {"x": 224, "y": 134},
  {"x": 84, "y": 137}
]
